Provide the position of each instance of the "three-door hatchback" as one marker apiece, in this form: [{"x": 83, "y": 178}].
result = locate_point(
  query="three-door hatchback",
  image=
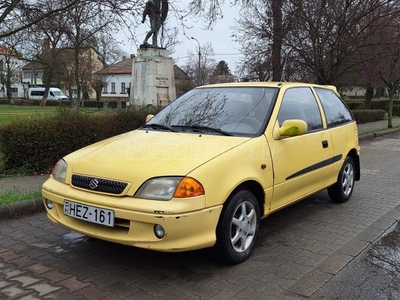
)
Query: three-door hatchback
[{"x": 208, "y": 167}]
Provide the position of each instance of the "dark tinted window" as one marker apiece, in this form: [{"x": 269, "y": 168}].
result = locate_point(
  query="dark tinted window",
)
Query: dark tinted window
[
  {"x": 300, "y": 103},
  {"x": 37, "y": 93},
  {"x": 335, "y": 111}
]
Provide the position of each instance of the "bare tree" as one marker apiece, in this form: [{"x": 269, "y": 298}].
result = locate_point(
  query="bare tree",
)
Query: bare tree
[
  {"x": 200, "y": 67},
  {"x": 321, "y": 35},
  {"x": 326, "y": 34},
  {"x": 10, "y": 63},
  {"x": 98, "y": 85},
  {"x": 110, "y": 52},
  {"x": 389, "y": 63},
  {"x": 18, "y": 15},
  {"x": 85, "y": 21},
  {"x": 46, "y": 48}
]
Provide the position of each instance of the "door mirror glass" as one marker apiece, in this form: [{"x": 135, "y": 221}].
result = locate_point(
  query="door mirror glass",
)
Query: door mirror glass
[{"x": 293, "y": 127}]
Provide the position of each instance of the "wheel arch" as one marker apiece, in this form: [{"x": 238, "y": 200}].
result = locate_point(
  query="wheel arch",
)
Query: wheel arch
[
  {"x": 356, "y": 158},
  {"x": 254, "y": 187}
]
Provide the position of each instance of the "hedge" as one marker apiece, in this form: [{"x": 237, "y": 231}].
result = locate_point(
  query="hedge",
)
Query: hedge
[
  {"x": 87, "y": 103},
  {"x": 35, "y": 144},
  {"x": 365, "y": 116},
  {"x": 375, "y": 104}
]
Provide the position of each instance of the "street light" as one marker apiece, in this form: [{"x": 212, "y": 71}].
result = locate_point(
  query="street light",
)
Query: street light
[{"x": 198, "y": 72}]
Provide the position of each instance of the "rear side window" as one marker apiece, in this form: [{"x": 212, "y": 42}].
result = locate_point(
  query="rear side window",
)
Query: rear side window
[
  {"x": 335, "y": 111},
  {"x": 37, "y": 93}
]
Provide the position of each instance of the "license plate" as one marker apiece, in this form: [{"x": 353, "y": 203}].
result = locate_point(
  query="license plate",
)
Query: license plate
[{"x": 89, "y": 213}]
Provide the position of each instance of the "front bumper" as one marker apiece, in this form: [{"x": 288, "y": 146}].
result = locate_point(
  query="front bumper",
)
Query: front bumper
[{"x": 184, "y": 230}]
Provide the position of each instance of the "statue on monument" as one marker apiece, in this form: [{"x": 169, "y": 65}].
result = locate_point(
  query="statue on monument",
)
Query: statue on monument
[{"x": 157, "y": 11}]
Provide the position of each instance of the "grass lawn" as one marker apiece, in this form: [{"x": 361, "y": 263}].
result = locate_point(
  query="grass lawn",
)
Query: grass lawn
[
  {"x": 11, "y": 112},
  {"x": 15, "y": 195}
]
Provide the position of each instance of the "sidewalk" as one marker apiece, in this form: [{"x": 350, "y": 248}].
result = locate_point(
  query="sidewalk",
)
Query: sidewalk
[
  {"x": 33, "y": 183},
  {"x": 377, "y": 128}
]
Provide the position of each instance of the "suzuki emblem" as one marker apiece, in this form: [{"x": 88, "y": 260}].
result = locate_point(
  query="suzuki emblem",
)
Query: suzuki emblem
[{"x": 94, "y": 183}]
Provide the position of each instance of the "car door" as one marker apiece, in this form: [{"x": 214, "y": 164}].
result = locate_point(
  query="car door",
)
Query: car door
[
  {"x": 301, "y": 163},
  {"x": 341, "y": 126}
]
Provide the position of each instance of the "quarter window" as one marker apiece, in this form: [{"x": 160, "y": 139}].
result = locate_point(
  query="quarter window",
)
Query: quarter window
[
  {"x": 300, "y": 103},
  {"x": 335, "y": 110}
]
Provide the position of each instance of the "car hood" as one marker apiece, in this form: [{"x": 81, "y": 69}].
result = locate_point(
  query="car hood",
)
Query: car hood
[{"x": 141, "y": 154}]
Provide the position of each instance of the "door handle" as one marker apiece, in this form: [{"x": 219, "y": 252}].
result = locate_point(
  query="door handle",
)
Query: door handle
[{"x": 325, "y": 144}]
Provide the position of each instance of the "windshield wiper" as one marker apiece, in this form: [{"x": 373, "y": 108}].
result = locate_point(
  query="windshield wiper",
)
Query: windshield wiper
[
  {"x": 204, "y": 128},
  {"x": 158, "y": 126}
]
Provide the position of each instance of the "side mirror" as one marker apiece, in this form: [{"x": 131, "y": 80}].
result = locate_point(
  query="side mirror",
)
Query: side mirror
[
  {"x": 290, "y": 128},
  {"x": 149, "y": 117}
]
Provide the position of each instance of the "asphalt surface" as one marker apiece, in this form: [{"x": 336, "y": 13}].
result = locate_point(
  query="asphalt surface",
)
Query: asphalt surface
[{"x": 310, "y": 249}]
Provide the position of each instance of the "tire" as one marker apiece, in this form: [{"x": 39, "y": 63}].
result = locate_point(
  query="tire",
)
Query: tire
[
  {"x": 237, "y": 229},
  {"x": 341, "y": 191}
]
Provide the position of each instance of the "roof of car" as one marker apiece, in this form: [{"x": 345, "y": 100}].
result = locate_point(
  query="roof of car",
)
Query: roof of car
[{"x": 269, "y": 84}]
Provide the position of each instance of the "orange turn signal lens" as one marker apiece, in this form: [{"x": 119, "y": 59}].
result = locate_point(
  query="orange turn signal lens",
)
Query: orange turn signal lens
[{"x": 188, "y": 187}]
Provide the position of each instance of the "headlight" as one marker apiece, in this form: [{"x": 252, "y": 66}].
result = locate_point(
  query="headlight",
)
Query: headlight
[
  {"x": 59, "y": 171},
  {"x": 165, "y": 188}
]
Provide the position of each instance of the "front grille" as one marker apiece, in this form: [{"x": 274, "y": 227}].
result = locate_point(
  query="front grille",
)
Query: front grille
[{"x": 98, "y": 184}]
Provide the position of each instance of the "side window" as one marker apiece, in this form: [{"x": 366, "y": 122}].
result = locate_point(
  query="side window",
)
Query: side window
[
  {"x": 300, "y": 103},
  {"x": 37, "y": 93},
  {"x": 335, "y": 111}
]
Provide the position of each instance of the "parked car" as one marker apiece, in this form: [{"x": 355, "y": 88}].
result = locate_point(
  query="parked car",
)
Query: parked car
[
  {"x": 208, "y": 167},
  {"x": 38, "y": 93}
]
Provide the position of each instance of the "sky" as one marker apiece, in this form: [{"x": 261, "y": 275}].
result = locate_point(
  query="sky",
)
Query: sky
[{"x": 219, "y": 36}]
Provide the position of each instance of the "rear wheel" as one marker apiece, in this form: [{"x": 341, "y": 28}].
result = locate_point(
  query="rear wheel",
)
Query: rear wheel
[
  {"x": 237, "y": 229},
  {"x": 341, "y": 191}
]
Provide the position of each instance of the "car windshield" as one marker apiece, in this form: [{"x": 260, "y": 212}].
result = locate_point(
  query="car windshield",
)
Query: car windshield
[
  {"x": 58, "y": 93},
  {"x": 238, "y": 111}
]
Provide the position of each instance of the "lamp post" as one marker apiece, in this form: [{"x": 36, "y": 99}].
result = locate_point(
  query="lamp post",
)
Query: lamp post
[{"x": 199, "y": 67}]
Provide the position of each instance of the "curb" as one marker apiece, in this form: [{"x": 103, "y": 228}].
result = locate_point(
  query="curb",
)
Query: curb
[
  {"x": 373, "y": 135},
  {"x": 12, "y": 210},
  {"x": 307, "y": 285}
]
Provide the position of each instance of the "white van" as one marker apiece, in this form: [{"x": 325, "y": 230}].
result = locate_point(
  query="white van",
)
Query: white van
[{"x": 38, "y": 92}]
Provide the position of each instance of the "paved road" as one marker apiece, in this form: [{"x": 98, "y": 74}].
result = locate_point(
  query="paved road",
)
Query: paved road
[{"x": 300, "y": 249}]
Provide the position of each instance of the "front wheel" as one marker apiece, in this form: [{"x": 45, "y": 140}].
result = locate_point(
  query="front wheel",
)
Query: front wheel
[
  {"x": 341, "y": 191},
  {"x": 237, "y": 229}
]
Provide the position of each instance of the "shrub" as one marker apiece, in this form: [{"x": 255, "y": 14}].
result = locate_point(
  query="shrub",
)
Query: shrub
[
  {"x": 355, "y": 105},
  {"x": 396, "y": 110},
  {"x": 365, "y": 116},
  {"x": 35, "y": 144},
  {"x": 382, "y": 104}
]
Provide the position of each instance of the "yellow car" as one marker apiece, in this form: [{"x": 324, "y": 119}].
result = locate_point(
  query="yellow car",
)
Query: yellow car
[{"x": 208, "y": 167}]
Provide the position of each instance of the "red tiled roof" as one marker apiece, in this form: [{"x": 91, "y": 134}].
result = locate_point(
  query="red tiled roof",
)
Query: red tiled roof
[
  {"x": 7, "y": 52},
  {"x": 122, "y": 67}
]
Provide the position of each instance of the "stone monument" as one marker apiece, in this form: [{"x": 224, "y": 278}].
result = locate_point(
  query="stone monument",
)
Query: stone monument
[{"x": 153, "y": 80}]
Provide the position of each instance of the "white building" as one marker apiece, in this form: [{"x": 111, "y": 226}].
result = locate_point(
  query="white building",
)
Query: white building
[
  {"x": 11, "y": 64},
  {"x": 117, "y": 80}
]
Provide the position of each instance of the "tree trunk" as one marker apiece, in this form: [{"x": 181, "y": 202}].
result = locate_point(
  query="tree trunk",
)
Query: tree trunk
[
  {"x": 368, "y": 97},
  {"x": 277, "y": 40},
  {"x": 390, "y": 108}
]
